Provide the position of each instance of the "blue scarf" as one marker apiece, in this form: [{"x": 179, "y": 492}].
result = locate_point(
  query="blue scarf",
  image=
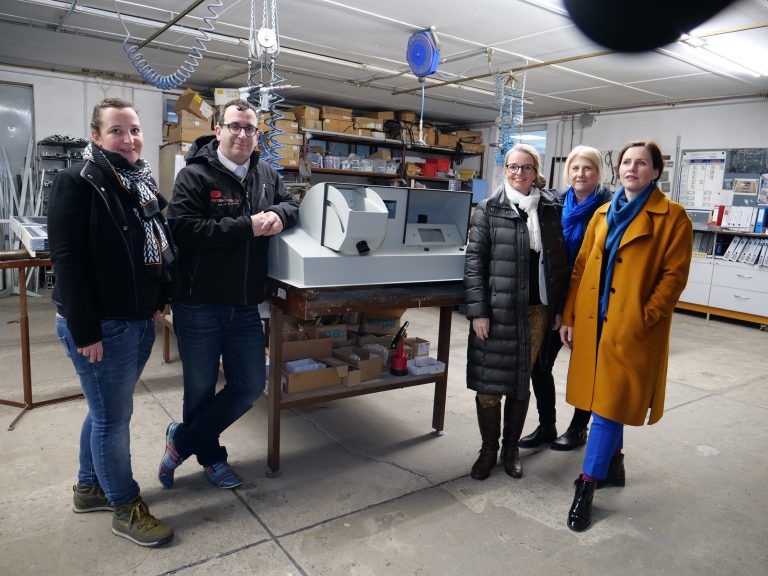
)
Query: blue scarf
[
  {"x": 619, "y": 217},
  {"x": 576, "y": 216}
]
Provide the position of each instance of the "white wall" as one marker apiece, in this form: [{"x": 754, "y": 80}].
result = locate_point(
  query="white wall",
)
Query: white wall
[
  {"x": 64, "y": 103},
  {"x": 736, "y": 124}
]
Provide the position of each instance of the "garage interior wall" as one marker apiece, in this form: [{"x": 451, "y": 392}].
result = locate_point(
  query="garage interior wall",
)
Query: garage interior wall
[{"x": 63, "y": 104}]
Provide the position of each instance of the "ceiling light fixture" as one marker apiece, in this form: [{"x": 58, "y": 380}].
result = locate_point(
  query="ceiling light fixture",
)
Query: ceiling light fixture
[{"x": 722, "y": 55}]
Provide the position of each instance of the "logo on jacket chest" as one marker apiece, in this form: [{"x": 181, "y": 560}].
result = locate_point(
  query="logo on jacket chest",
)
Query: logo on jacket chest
[{"x": 218, "y": 199}]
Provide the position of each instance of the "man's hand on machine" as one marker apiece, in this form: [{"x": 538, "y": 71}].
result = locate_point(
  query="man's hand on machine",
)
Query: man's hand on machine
[{"x": 266, "y": 224}]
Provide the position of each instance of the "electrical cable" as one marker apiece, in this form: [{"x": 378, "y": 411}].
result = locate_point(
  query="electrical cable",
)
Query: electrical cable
[{"x": 183, "y": 72}]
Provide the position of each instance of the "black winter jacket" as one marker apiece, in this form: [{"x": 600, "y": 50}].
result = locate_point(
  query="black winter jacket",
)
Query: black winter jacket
[
  {"x": 496, "y": 287},
  {"x": 97, "y": 245},
  {"x": 220, "y": 261}
]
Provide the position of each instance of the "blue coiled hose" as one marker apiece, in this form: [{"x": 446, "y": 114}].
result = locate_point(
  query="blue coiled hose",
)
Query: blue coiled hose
[{"x": 185, "y": 71}]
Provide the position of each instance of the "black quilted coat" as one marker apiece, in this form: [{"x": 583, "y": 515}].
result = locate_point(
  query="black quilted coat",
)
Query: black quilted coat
[{"x": 496, "y": 287}]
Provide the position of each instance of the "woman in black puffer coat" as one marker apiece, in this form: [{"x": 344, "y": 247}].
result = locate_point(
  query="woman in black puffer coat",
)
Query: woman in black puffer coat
[{"x": 515, "y": 279}]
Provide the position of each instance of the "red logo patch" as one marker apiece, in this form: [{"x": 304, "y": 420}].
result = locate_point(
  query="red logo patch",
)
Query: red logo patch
[{"x": 215, "y": 194}]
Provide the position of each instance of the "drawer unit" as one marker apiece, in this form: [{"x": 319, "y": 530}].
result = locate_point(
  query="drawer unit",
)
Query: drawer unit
[
  {"x": 740, "y": 276},
  {"x": 701, "y": 270},
  {"x": 746, "y": 301},
  {"x": 696, "y": 293}
]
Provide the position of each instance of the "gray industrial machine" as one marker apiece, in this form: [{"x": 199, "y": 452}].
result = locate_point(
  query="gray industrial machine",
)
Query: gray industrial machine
[{"x": 351, "y": 234}]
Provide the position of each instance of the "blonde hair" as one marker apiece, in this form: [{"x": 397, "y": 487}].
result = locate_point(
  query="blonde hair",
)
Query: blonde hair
[
  {"x": 539, "y": 182},
  {"x": 591, "y": 154}
]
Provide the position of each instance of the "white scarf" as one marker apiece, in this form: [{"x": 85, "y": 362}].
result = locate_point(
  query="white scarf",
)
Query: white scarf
[{"x": 529, "y": 204}]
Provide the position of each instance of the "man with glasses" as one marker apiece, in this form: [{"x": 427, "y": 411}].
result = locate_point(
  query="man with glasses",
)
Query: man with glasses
[{"x": 226, "y": 204}]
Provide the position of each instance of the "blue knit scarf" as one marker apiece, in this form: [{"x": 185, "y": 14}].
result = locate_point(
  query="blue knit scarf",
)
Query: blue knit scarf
[
  {"x": 619, "y": 217},
  {"x": 576, "y": 216}
]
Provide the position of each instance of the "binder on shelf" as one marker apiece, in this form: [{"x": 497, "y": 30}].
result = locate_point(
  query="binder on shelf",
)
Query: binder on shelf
[
  {"x": 740, "y": 243},
  {"x": 716, "y": 217},
  {"x": 731, "y": 247},
  {"x": 760, "y": 220}
]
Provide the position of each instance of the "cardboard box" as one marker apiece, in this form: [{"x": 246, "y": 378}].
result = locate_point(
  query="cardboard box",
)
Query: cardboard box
[
  {"x": 378, "y": 135},
  {"x": 473, "y": 148},
  {"x": 381, "y": 322},
  {"x": 336, "y": 332},
  {"x": 333, "y": 375},
  {"x": 362, "y": 359},
  {"x": 381, "y": 154},
  {"x": 412, "y": 169},
  {"x": 332, "y": 125},
  {"x": 223, "y": 95},
  {"x": 310, "y": 123},
  {"x": 447, "y": 140},
  {"x": 335, "y": 113},
  {"x": 192, "y": 102},
  {"x": 416, "y": 347},
  {"x": 367, "y": 123},
  {"x": 385, "y": 115},
  {"x": 408, "y": 117},
  {"x": 189, "y": 128},
  {"x": 298, "y": 345},
  {"x": 470, "y": 136},
  {"x": 289, "y": 139},
  {"x": 287, "y": 125},
  {"x": 306, "y": 113}
]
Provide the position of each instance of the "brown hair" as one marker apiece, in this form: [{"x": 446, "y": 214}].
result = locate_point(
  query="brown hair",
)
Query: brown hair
[
  {"x": 653, "y": 149},
  {"x": 240, "y": 105},
  {"x": 110, "y": 102}
]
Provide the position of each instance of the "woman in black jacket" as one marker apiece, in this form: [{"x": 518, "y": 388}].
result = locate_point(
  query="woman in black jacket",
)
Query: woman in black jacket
[
  {"x": 515, "y": 278},
  {"x": 111, "y": 250},
  {"x": 583, "y": 170}
]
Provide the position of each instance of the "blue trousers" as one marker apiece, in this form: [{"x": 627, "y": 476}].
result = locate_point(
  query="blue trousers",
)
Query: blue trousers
[
  {"x": 605, "y": 438},
  {"x": 105, "y": 451},
  {"x": 206, "y": 333}
]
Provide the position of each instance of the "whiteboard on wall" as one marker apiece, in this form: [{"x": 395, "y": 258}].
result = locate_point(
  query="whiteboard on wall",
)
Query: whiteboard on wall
[{"x": 701, "y": 178}]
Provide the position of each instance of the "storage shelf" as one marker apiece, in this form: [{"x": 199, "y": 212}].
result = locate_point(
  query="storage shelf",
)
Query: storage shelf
[
  {"x": 343, "y": 136},
  {"x": 355, "y": 173}
]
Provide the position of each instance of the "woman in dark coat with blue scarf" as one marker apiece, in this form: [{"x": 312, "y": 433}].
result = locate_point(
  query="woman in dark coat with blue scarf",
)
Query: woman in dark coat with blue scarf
[{"x": 583, "y": 170}]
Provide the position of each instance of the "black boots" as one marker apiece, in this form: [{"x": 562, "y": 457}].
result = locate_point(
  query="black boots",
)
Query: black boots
[
  {"x": 571, "y": 439},
  {"x": 544, "y": 434},
  {"x": 514, "y": 419},
  {"x": 616, "y": 476},
  {"x": 580, "y": 514},
  {"x": 489, "y": 420}
]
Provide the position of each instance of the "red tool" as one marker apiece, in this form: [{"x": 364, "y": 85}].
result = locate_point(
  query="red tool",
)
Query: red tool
[{"x": 398, "y": 364}]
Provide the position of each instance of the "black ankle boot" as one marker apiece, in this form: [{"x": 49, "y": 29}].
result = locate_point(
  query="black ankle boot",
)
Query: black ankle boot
[
  {"x": 616, "y": 475},
  {"x": 571, "y": 439},
  {"x": 489, "y": 421},
  {"x": 580, "y": 514},
  {"x": 544, "y": 434}
]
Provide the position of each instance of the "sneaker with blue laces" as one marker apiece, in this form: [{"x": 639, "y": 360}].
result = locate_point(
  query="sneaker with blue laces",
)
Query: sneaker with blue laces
[
  {"x": 221, "y": 475},
  {"x": 171, "y": 459}
]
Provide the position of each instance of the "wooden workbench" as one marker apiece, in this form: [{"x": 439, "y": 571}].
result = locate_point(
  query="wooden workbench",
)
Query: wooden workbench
[{"x": 309, "y": 303}]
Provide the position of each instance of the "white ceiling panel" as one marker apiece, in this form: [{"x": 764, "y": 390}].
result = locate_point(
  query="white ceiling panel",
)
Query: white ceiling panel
[{"x": 348, "y": 53}]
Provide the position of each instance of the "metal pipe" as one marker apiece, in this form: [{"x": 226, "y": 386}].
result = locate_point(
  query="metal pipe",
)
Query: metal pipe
[
  {"x": 511, "y": 71},
  {"x": 173, "y": 21}
]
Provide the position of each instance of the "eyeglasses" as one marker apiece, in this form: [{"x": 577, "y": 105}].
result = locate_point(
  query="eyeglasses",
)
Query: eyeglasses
[
  {"x": 526, "y": 168},
  {"x": 235, "y": 128}
]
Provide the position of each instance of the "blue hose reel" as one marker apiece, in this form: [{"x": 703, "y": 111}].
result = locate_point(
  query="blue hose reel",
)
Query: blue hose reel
[{"x": 423, "y": 53}]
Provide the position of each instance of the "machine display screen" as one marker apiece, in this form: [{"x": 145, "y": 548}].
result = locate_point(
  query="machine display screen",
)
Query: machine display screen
[
  {"x": 431, "y": 235},
  {"x": 391, "y": 208}
]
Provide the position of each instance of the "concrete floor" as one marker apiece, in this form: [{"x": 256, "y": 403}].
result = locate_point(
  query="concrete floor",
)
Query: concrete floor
[{"x": 367, "y": 489}]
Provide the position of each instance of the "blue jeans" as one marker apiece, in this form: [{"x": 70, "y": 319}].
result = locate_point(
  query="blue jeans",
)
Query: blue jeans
[
  {"x": 105, "y": 450},
  {"x": 605, "y": 438},
  {"x": 204, "y": 334}
]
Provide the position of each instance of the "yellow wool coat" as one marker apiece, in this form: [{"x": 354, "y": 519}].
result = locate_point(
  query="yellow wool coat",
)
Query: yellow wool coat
[{"x": 628, "y": 374}]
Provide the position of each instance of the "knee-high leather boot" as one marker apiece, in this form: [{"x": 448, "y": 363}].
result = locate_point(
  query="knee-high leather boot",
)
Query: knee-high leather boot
[
  {"x": 489, "y": 420},
  {"x": 514, "y": 420}
]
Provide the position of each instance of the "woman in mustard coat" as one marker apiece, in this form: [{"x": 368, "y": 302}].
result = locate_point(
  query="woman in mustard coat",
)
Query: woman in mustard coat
[{"x": 628, "y": 276}]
